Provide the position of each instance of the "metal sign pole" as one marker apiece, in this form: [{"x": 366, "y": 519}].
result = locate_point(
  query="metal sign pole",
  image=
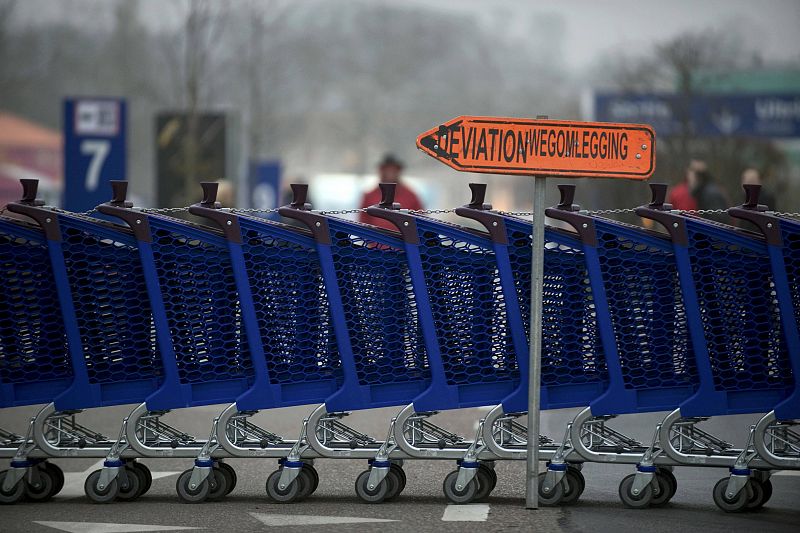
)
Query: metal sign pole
[{"x": 535, "y": 358}]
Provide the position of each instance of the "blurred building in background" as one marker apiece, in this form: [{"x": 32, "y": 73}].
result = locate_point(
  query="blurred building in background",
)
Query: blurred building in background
[
  {"x": 324, "y": 88},
  {"x": 28, "y": 150}
]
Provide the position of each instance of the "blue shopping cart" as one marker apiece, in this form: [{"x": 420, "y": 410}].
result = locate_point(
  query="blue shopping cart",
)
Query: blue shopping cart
[
  {"x": 651, "y": 365},
  {"x": 108, "y": 326},
  {"x": 34, "y": 361},
  {"x": 285, "y": 307},
  {"x": 743, "y": 361},
  {"x": 198, "y": 322}
]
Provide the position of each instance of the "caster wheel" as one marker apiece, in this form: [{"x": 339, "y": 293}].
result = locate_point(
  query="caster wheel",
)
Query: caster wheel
[
  {"x": 283, "y": 495},
  {"x": 308, "y": 483},
  {"x": 188, "y": 494},
  {"x": 736, "y": 504},
  {"x": 554, "y": 496},
  {"x": 373, "y": 495},
  {"x": 57, "y": 474},
  {"x": 145, "y": 476},
  {"x": 485, "y": 483},
  {"x": 634, "y": 501},
  {"x": 105, "y": 495},
  {"x": 767, "y": 486},
  {"x": 401, "y": 476},
  {"x": 576, "y": 483},
  {"x": 43, "y": 490},
  {"x": 131, "y": 487},
  {"x": 15, "y": 494},
  {"x": 459, "y": 496},
  {"x": 673, "y": 482},
  {"x": 217, "y": 485},
  {"x": 758, "y": 499},
  {"x": 396, "y": 479},
  {"x": 230, "y": 475},
  {"x": 662, "y": 489}
]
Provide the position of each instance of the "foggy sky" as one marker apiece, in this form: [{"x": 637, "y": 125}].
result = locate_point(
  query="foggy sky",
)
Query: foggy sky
[{"x": 590, "y": 28}]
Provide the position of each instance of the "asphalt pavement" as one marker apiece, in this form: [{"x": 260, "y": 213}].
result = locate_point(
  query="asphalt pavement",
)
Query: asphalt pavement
[{"x": 422, "y": 506}]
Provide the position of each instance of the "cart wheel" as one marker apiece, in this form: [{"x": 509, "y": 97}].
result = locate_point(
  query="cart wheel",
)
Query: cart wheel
[
  {"x": 97, "y": 495},
  {"x": 217, "y": 485},
  {"x": 662, "y": 489},
  {"x": 576, "y": 483},
  {"x": 43, "y": 491},
  {"x": 401, "y": 476},
  {"x": 673, "y": 482},
  {"x": 307, "y": 483},
  {"x": 15, "y": 494},
  {"x": 285, "y": 495},
  {"x": 187, "y": 494},
  {"x": 230, "y": 475},
  {"x": 465, "y": 495},
  {"x": 731, "y": 505},
  {"x": 132, "y": 487},
  {"x": 634, "y": 501},
  {"x": 57, "y": 474},
  {"x": 145, "y": 476},
  {"x": 395, "y": 477},
  {"x": 485, "y": 487},
  {"x": 552, "y": 498},
  {"x": 488, "y": 468},
  {"x": 758, "y": 499},
  {"x": 308, "y": 467},
  {"x": 374, "y": 495},
  {"x": 767, "y": 486}
]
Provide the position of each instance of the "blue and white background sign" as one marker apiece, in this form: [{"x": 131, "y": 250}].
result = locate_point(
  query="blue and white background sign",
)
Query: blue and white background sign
[
  {"x": 94, "y": 150},
  {"x": 705, "y": 115}
]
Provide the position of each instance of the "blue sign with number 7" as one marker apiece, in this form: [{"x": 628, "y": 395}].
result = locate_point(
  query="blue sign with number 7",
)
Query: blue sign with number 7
[{"x": 94, "y": 150}]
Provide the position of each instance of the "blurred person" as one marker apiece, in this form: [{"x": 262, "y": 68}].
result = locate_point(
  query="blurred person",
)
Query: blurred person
[
  {"x": 389, "y": 171},
  {"x": 751, "y": 176},
  {"x": 708, "y": 194},
  {"x": 680, "y": 196}
]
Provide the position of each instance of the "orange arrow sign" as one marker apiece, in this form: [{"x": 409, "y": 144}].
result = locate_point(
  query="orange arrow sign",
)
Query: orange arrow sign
[{"x": 543, "y": 147}]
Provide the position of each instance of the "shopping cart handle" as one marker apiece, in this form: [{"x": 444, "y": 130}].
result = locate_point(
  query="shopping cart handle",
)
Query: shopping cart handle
[
  {"x": 481, "y": 212},
  {"x": 388, "y": 209},
  {"x": 121, "y": 209},
  {"x": 567, "y": 198},
  {"x": 567, "y": 211},
  {"x": 661, "y": 212},
  {"x": 30, "y": 188},
  {"x": 752, "y": 211},
  {"x": 658, "y": 196},
  {"x": 210, "y": 209},
  {"x": 751, "y": 194},
  {"x": 31, "y": 208},
  {"x": 478, "y": 196},
  {"x": 210, "y": 189},
  {"x": 300, "y": 210},
  {"x": 300, "y": 196},
  {"x": 119, "y": 192}
]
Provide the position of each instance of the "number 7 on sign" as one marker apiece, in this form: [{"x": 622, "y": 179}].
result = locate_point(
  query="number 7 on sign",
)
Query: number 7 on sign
[{"x": 98, "y": 149}]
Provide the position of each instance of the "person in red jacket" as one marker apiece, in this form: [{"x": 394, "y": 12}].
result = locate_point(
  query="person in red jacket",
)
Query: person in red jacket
[
  {"x": 681, "y": 195},
  {"x": 389, "y": 171}
]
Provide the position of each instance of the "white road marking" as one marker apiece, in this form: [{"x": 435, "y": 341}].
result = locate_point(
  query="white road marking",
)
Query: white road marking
[
  {"x": 73, "y": 481},
  {"x": 474, "y": 512},
  {"x": 283, "y": 520},
  {"x": 104, "y": 527},
  {"x": 786, "y": 473}
]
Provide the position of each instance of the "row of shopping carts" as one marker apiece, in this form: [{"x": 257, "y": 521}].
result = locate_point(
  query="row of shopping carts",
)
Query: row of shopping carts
[{"x": 132, "y": 306}]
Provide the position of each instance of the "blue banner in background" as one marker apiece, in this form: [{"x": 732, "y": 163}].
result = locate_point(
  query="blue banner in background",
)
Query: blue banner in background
[
  {"x": 265, "y": 184},
  {"x": 706, "y": 115},
  {"x": 94, "y": 150}
]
